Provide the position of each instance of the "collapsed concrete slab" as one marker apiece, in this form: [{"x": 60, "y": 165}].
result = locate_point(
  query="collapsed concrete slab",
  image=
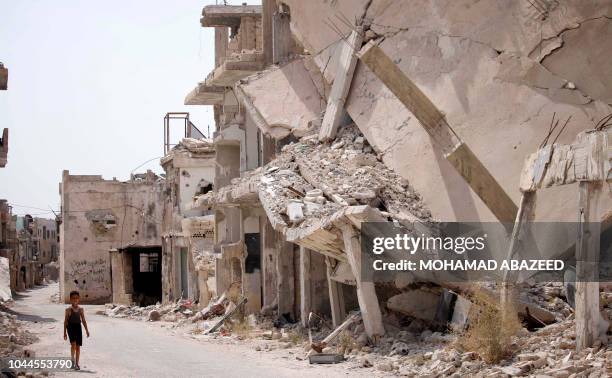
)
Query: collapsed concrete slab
[
  {"x": 293, "y": 107},
  {"x": 470, "y": 74},
  {"x": 204, "y": 94}
]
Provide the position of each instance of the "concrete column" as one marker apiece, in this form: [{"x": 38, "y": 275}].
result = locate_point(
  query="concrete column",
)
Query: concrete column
[
  {"x": 268, "y": 10},
  {"x": 366, "y": 293},
  {"x": 336, "y": 297},
  {"x": 221, "y": 39},
  {"x": 268, "y": 261},
  {"x": 305, "y": 292},
  {"x": 281, "y": 37},
  {"x": 285, "y": 277}
]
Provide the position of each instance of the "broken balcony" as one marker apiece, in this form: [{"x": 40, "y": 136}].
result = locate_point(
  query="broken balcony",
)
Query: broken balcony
[
  {"x": 204, "y": 94},
  {"x": 228, "y": 15},
  {"x": 235, "y": 68}
]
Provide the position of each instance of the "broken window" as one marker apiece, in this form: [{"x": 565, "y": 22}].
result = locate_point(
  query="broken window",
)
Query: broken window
[{"x": 204, "y": 187}]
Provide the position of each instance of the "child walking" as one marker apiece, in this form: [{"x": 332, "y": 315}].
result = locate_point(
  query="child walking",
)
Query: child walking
[{"x": 72, "y": 324}]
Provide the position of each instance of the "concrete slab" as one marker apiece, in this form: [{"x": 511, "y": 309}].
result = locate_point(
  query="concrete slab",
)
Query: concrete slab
[
  {"x": 228, "y": 15},
  {"x": 204, "y": 94},
  {"x": 294, "y": 105}
]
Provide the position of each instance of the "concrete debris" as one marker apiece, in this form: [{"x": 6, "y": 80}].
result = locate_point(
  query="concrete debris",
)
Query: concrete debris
[
  {"x": 196, "y": 145},
  {"x": 421, "y": 304},
  {"x": 294, "y": 211},
  {"x": 13, "y": 337}
]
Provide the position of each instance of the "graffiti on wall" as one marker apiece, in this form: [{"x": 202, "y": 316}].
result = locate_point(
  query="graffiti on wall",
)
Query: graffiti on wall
[{"x": 89, "y": 277}]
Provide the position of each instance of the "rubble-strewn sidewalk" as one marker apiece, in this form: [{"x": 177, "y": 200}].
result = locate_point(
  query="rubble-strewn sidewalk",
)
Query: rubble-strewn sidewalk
[
  {"x": 13, "y": 335},
  {"x": 418, "y": 349}
]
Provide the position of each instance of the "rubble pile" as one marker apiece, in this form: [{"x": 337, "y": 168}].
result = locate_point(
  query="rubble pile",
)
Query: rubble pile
[
  {"x": 289, "y": 195},
  {"x": 190, "y": 146},
  {"x": 550, "y": 296},
  {"x": 13, "y": 338},
  {"x": 309, "y": 180},
  {"x": 417, "y": 351},
  {"x": 349, "y": 172},
  {"x": 194, "y": 145},
  {"x": 174, "y": 312}
]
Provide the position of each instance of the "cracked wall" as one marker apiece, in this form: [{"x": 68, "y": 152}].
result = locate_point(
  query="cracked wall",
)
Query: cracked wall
[{"x": 479, "y": 62}]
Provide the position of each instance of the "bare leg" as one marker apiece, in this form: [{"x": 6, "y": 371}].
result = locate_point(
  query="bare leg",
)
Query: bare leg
[
  {"x": 78, "y": 354},
  {"x": 72, "y": 350}
]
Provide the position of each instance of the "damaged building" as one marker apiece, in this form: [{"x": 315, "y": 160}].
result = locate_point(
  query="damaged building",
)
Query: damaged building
[
  {"x": 111, "y": 238},
  {"x": 334, "y": 114},
  {"x": 331, "y": 114},
  {"x": 187, "y": 233}
]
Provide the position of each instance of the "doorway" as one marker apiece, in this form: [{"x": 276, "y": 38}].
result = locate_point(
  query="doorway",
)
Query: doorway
[{"x": 146, "y": 275}]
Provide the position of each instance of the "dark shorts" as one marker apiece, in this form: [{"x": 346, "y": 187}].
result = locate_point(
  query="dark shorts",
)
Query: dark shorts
[{"x": 75, "y": 334}]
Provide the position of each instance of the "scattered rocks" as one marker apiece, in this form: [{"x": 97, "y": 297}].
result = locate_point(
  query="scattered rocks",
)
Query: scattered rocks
[{"x": 365, "y": 363}]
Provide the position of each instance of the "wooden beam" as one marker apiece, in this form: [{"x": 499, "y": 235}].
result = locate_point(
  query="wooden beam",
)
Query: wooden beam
[
  {"x": 587, "y": 266},
  {"x": 305, "y": 293},
  {"x": 366, "y": 293},
  {"x": 336, "y": 297},
  {"x": 347, "y": 60},
  {"x": 434, "y": 122}
]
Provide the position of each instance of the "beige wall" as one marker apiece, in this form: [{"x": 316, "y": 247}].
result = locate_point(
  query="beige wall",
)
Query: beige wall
[{"x": 88, "y": 203}]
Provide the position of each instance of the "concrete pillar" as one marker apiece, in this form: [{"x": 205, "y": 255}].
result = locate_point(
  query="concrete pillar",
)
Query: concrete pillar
[
  {"x": 336, "y": 297},
  {"x": 281, "y": 36},
  {"x": 268, "y": 9},
  {"x": 221, "y": 39},
  {"x": 268, "y": 261},
  {"x": 305, "y": 292},
  {"x": 285, "y": 277},
  {"x": 366, "y": 293}
]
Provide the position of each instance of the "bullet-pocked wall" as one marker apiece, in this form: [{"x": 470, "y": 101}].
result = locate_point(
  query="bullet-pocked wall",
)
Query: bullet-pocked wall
[{"x": 100, "y": 215}]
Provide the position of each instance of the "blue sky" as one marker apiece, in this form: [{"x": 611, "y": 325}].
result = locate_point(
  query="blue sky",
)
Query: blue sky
[{"x": 89, "y": 84}]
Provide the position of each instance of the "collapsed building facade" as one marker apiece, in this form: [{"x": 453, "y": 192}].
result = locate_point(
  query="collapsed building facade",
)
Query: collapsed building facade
[
  {"x": 331, "y": 114},
  {"x": 187, "y": 234}
]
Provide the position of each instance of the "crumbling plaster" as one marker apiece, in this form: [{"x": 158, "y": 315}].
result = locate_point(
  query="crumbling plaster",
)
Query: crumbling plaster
[
  {"x": 472, "y": 60},
  {"x": 84, "y": 254}
]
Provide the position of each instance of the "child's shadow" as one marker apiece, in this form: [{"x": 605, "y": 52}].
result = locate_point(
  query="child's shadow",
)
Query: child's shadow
[{"x": 85, "y": 371}]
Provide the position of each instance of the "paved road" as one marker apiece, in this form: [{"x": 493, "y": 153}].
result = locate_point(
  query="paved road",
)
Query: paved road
[{"x": 129, "y": 348}]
